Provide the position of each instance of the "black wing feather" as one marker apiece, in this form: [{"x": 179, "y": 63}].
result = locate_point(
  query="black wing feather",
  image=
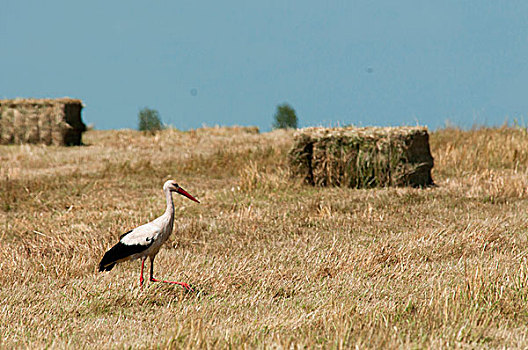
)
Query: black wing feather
[
  {"x": 124, "y": 234},
  {"x": 119, "y": 252}
]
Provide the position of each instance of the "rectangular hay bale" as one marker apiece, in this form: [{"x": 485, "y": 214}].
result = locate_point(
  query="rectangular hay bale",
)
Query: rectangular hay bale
[
  {"x": 48, "y": 121},
  {"x": 362, "y": 157},
  {"x": 44, "y": 125}
]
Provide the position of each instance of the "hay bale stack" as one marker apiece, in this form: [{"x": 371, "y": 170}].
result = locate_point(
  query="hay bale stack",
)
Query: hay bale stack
[
  {"x": 47, "y": 121},
  {"x": 362, "y": 157}
]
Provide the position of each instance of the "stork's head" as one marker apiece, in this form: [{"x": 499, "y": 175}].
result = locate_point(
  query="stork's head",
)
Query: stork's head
[{"x": 172, "y": 186}]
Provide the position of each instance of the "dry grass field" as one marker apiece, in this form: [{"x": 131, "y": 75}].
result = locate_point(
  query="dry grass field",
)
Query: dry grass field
[{"x": 277, "y": 263}]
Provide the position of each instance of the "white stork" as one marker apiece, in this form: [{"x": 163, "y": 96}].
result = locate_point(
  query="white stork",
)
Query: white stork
[{"x": 146, "y": 240}]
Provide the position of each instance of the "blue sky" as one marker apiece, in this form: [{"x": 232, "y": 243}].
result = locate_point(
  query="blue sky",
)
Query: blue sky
[{"x": 232, "y": 62}]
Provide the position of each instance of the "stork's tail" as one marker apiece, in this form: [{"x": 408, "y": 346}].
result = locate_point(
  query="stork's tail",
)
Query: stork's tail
[
  {"x": 119, "y": 253},
  {"x": 106, "y": 268},
  {"x": 114, "y": 255},
  {"x": 107, "y": 262}
]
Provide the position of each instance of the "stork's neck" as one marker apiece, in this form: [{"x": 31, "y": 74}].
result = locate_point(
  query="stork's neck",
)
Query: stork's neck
[{"x": 170, "y": 203}]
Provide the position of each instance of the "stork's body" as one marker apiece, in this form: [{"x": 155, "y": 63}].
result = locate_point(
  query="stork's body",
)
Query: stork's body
[{"x": 146, "y": 240}]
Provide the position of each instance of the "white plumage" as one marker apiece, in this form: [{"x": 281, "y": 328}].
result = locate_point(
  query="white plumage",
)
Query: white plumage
[{"x": 146, "y": 240}]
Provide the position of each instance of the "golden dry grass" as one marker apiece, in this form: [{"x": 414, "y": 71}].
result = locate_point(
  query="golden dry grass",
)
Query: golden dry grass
[{"x": 278, "y": 263}]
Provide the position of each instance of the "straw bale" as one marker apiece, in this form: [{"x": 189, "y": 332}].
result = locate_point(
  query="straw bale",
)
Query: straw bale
[
  {"x": 19, "y": 126},
  {"x": 40, "y": 101},
  {"x": 56, "y": 126},
  {"x": 32, "y": 128},
  {"x": 48, "y": 121},
  {"x": 44, "y": 125},
  {"x": 7, "y": 133},
  {"x": 362, "y": 157}
]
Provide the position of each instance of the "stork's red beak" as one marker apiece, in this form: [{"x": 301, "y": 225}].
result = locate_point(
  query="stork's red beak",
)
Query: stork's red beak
[{"x": 186, "y": 194}]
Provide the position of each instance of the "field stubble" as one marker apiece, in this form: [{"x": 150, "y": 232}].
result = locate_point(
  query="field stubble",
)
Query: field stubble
[{"x": 277, "y": 263}]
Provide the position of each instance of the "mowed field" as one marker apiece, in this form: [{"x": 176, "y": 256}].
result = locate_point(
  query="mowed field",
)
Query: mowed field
[{"x": 276, "y": 263}]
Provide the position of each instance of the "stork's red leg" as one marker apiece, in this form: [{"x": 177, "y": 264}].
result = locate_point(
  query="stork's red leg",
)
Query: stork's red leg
[
  {"x": 152, "y": 279},
  {"x": 141, "y": 275}
]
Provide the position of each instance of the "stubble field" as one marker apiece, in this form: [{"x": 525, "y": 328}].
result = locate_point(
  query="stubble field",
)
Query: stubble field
[{"x": 276, "y": 263}]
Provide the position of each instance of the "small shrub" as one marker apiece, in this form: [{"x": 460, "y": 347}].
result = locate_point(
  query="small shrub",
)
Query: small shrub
[
  {"x": 149, "y": 120},
  {"x": 285, "y": 117}
]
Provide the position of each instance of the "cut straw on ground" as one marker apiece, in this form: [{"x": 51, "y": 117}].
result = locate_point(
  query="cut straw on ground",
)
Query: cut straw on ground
[{"x": 279, "y": 263}]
